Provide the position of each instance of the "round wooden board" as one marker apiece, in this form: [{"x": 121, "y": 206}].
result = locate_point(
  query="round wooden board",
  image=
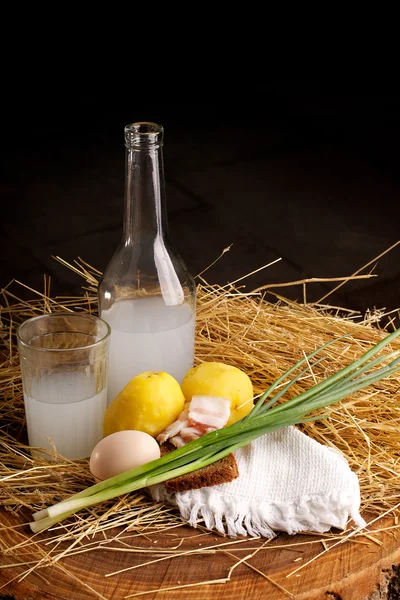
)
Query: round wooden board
[{"x": 348, "y": 571}]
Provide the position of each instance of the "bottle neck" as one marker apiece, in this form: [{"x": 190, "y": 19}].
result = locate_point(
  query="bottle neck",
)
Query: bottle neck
[{"x": 145, "y": 216}]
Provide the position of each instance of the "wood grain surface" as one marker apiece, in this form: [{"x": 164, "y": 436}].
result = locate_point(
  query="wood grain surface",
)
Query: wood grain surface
[{"x": 355, "y": 570}]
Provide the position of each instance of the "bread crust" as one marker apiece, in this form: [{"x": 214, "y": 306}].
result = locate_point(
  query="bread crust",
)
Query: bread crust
[{"x": 222, "y": 471}]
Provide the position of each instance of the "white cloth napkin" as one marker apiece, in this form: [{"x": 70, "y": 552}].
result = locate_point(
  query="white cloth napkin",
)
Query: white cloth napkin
[{"x": 287, "y": 482}]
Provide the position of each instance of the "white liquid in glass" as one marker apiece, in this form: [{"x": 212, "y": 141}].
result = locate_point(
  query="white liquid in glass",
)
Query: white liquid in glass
[
  {"x": 57, "y": 411},
  {"x": 148, "y": 335}
]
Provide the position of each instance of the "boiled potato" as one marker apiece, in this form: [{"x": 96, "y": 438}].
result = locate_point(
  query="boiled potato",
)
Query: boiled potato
[
  {"x": 219, "y": 379},
  {"x": 149, "y": 402}
]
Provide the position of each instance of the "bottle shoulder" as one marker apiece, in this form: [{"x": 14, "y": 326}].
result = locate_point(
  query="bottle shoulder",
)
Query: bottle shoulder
[{"x": 137, "y": 270}]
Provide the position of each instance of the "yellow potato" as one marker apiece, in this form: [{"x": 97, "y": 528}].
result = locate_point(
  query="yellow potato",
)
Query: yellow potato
[
  {"x": 219, "y": 379},
  {"x": 149, "y": 402}
]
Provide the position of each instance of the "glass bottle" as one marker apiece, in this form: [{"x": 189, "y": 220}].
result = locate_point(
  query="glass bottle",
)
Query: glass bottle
[{"x": 146, "y": 294}]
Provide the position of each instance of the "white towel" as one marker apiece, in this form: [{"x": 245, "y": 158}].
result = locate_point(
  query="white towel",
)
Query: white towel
[{"x": 287, "y": 482}]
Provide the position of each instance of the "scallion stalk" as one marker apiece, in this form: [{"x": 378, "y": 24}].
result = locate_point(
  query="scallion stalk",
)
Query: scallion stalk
[{"x": 266, "y": 416}]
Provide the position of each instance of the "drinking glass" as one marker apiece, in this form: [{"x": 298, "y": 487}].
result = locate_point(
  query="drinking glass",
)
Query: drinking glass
[{"x": 64, "y": 361}]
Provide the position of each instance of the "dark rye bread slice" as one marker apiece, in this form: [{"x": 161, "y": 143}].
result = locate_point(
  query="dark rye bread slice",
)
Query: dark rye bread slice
[{"x": 222, "y": 471}]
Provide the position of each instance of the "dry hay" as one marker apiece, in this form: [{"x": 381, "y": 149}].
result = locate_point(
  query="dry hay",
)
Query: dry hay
[{"x": 243, "y": 329}]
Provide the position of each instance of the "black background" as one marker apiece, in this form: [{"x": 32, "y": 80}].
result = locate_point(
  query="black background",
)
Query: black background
[{"x": 299, "y": 170}]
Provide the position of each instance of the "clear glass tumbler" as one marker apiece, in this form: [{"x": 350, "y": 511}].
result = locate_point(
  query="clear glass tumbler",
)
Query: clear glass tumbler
[{"x": 64, "y": 362}]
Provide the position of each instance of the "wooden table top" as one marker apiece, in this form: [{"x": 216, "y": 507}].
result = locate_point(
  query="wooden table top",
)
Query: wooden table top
[{"x": 187, "y": 563}]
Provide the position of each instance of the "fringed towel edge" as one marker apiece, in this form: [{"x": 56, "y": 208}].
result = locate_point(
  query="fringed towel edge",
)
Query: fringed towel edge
[{"x": 242, "y": 516}]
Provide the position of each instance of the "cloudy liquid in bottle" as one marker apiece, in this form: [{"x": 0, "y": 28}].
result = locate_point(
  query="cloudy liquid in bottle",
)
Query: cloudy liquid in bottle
[{"x": 148, "y": 335}]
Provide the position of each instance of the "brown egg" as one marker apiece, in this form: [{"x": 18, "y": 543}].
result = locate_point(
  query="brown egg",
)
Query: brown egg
[{"x": 122, "y": 451}]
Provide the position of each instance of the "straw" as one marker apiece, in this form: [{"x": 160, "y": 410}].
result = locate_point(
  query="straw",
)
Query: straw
[{"x": 234, "y": 326}]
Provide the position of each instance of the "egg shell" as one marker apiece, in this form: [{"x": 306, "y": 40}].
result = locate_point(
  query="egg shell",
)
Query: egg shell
[{"x": 122, "y": 451}]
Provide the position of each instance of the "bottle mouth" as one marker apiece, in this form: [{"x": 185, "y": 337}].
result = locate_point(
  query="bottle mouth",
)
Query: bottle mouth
[{"x": 143, "y": 134}]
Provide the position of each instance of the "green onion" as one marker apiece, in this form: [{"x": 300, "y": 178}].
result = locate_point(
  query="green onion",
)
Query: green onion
[{"x": 266, "y": 416}]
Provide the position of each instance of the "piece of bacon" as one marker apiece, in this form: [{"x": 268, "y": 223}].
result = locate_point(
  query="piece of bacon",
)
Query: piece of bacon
[
  {"x": 209, "y": 411},
  {"x": 176, "y": 426},
  {"x": 202, "y": 415}
]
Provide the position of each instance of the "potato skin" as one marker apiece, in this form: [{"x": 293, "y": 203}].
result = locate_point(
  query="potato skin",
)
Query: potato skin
[
  {"x": 220, "y": 379},
  {"x": 149, "y": 402}
]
